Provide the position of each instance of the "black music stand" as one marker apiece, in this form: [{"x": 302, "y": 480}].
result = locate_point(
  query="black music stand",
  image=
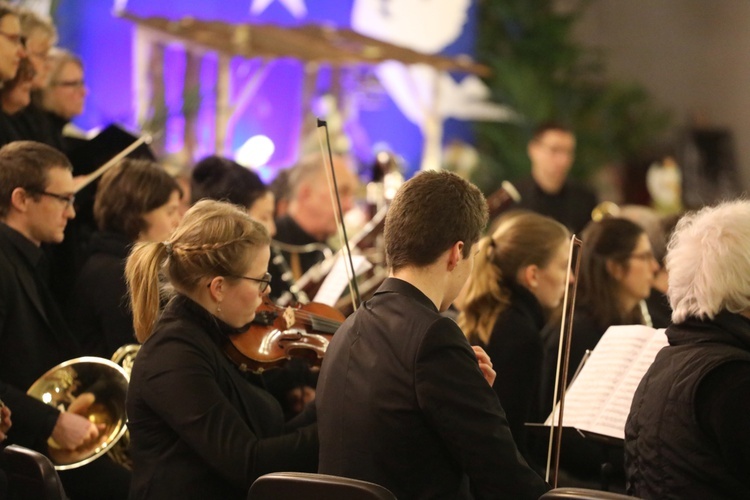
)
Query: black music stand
[{"x": 88, "y": 155}]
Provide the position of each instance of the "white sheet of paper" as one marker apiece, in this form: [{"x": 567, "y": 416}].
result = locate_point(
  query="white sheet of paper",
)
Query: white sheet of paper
[
  {"x": 599, "y": 398},
  {"x": 336, "y": 282}
]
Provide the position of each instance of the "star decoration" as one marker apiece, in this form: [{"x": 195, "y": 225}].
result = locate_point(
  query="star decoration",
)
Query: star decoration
[{"x": 296, "y": 7}]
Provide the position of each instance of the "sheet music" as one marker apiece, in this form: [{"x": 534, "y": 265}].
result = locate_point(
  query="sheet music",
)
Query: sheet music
[
  {"x": 336, "y": 281},
  {"x": 600, "y": 397}
]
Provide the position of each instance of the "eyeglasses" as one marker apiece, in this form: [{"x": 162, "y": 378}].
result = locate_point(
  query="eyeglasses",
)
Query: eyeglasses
[
  {"x": 15, "y": 38},
  {"x": 557, "y": 150},
  {"x": 645, "y": 256},
  {"x": 74, "y": 84},
  {"x": 68, "y": 200},
  {"x": 264, "y": 281}
]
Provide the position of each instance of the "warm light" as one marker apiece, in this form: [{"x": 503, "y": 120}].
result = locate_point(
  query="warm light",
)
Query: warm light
[{"x": 255, "y": 152}]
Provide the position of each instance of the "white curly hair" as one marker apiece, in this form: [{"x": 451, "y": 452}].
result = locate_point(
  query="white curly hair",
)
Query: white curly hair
[{"x": 708, "y": 261}]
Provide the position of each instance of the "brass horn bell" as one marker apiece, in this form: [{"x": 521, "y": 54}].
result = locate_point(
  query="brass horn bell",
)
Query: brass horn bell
[{"x": 99, "y": 382}]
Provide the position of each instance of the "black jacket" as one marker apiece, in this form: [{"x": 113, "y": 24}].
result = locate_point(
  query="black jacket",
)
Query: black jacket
[
  {"x": 101, "y": 317},
  {"x": 402, "y": 403},
  {"x": 198, "y": 428},
  {"x": 682, "y": 441},
  {"x": 515, "y": 348},
  {"x": 572, "y": 206}
]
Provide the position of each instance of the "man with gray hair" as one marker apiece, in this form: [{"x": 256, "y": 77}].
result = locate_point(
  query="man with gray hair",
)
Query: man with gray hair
[
  {"x": 687, "y": 435},
  {"x": 310, "y": 216}
]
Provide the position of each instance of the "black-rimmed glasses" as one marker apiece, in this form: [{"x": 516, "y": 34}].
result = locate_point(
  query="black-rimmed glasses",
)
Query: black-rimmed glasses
[
  {"x": 73, "y": 84},
  {"x": 263, "y": 282},
  {"x": 67, "y": 199},
  {"x": 647, "y": 256},
  {"x": 15, "y": 38}
]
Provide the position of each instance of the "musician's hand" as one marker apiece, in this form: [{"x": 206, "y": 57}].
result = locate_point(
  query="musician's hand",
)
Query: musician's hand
[
  {"x": 72, "y": 429},
  {"x": 5, "y": 422},
  {"x": 485, "y": 364},
  {"x": 299, "y": 397}
]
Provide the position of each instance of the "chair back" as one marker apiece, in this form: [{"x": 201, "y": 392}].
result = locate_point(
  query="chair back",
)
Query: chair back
[
  {"x": 583, "y": 494},
  {"x": 315, "y": 486},
  {"x": 31, "y": 475}
]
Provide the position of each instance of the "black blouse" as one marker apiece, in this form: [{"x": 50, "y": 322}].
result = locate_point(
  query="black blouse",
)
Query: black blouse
[{"x": 198, "y": 428}]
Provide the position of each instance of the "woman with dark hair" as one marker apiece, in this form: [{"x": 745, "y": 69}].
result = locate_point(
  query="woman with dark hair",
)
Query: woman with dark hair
[
  {"x": 15, "y": 96},
  {"x": 616, "y": 274},
  {"x": 222, "y": 179},
  {"x": 136, "y": 201},
  {"x": 519, "y": 277}
]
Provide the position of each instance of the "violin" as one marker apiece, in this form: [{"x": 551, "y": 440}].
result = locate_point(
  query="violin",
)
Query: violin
[{"x": 278, "y": 334}]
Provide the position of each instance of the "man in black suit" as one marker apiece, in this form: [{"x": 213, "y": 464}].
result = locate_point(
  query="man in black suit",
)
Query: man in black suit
[
  {"x": 36, "y": 202},
  {"x": 403, "y": 399},
  {"x": 548, "y": 190}
]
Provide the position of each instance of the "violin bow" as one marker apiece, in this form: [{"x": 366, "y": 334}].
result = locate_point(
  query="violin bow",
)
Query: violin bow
[
  {"x": 143, "y": 139},
  {"x": 338, "y": 211},
  {"x": 563, "y": 359}
]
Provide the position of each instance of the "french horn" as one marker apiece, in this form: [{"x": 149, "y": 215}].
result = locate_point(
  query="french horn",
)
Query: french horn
[
  {"x": 103, "y": 385},
  {"x": 120, "y": 451}
]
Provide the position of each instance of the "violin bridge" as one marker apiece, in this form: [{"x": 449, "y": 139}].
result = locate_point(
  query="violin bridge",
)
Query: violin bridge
[{"x": 289, "y": 318}]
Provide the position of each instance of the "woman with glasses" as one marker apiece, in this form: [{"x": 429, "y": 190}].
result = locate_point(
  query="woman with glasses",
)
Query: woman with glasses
[
  {"x": 135, "y": 201},
  {"x": 41, "y": 36},
  {"x": 199, "y": 427},
  {"x": 11, "y": 42},
  {"x": 220, "y": 178},
  {"x": 616, "y": 274},
  {"x": 59, "y": 101}
]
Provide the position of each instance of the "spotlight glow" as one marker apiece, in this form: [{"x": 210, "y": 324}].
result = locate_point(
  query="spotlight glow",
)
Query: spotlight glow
[{"x": 256, "y": 152}]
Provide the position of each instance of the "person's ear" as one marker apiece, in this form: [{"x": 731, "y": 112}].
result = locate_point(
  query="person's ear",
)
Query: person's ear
[
  {"x": 529, "y": 276},
  {"x": 455, "y": 255},
  {"x": 615, "y": 269},
  {"x": 217, "y": 288},
  {"x": 19, "y": 200},
  {"x": 302, "y": 192}
]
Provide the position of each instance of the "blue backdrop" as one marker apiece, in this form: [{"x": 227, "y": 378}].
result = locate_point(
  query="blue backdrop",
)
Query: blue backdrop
[{"x": 104, "y": 42}]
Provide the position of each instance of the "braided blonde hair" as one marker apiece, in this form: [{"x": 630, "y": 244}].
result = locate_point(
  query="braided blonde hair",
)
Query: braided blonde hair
[{"x": 213, "y": 239}]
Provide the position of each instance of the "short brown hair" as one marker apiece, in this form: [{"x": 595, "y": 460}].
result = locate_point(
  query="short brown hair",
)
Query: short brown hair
[
  {"x": 24, "y": 164},
  {"x": 127, "y": 192},
  {"x": 547, "y": 126},
  {"x": 431, "y": 212}
]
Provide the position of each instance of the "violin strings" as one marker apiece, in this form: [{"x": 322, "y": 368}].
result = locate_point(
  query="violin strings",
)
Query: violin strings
[{"x": 308, "y": 318}]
